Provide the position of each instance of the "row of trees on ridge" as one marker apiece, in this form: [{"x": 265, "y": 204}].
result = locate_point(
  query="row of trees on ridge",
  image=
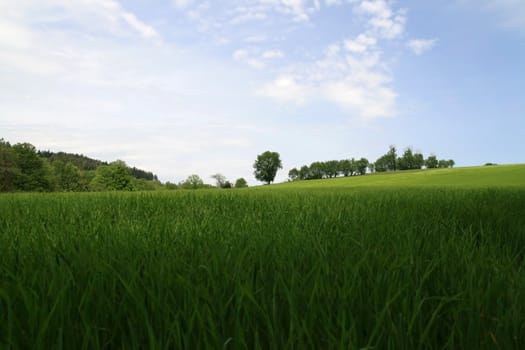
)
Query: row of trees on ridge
[{"x": 390, "y": 161}]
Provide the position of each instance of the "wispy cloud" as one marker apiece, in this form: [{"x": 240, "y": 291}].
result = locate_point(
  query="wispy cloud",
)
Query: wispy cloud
[
  {"x": 383, "y": 21},
  {"x": 420, "y": 46},
  {"x": 352, "y": 73},
  {"x": 272, "y": 54},
  {"x": 247, "y": 56},
  {"x": 210, "y": 15},
  {"x": 93, "y": 16},
  {"x": 287, "y": 88},
  {"x": 255, "y": 58},
  {"x": 182, "y": 3}
]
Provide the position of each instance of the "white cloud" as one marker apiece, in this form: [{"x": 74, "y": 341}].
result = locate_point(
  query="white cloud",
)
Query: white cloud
[
  {"x": 143, "y": 29},
  {"x": 93, "y": 16},
  {"x": 255, "y": 58},
  {"x": 367, "y": 101},
  {"x": 272, "y": 54},
  {"x": 298, "y": 9},
  {"x": 360, "y": 44},
  {"x": 246, "y": 56},
  {"x": 182, "y": 3},
  {"x": 286, "y": 88},
  {"x": 376, "y": 8},
  {"x": 420, "y": 46},
  {"x": 359, "y": 83},
  {"x": 239, "y": 12},
  {"x": 352, "y": 74},
  {"x": 383, "y": 21}
]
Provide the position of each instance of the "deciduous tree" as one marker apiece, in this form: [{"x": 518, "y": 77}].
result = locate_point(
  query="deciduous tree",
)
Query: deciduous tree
[
  {"x": 432, "y": 162},
  {"x": 8, "y": 167},
  {"x": 193, "y": 182},
  {"x": 113, "y": 177},
  {"x": 34, "y": 174},
  {"x": 293, "y": 174},
  {"x": 241, "y": 183},
  {"x": 266, "y": 166}
]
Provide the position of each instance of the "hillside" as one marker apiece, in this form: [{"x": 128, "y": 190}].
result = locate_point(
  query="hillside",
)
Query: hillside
[
  {"x": 481, "y": 176},
  {"x": 85, "y": 163}
]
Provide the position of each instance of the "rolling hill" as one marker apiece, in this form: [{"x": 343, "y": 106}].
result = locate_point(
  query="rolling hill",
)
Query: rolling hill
[{"x": 480, "y": 176}]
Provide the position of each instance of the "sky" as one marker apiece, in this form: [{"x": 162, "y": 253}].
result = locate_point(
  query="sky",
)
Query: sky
[{"x": 181, "y": 87}]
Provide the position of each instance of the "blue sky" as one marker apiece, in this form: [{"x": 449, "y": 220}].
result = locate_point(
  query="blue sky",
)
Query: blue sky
[{"x": 184, "y": 87}]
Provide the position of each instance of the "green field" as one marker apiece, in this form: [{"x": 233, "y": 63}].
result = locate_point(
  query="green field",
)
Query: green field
[{"x": 415, "y": 260}]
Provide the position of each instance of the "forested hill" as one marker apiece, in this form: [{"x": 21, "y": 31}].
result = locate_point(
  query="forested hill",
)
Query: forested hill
[
  {"x": 25, "y": 169},
  {"x": 79, "y": 160},
  {"x": 84, "y": 163}
]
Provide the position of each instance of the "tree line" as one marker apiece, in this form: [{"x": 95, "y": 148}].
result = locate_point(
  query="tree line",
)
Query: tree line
[
  {"x": 23, "y": 168},
  {"x": 195, "y": 182},
  {"x": 390, "y": 161}
]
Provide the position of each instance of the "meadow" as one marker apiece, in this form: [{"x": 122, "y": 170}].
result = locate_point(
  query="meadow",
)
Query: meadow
[{"x": 413, "y": 260}]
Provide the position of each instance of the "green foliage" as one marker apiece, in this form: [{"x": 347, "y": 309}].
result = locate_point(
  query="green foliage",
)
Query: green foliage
[
  {"x": 79, "y": 160},
  {"x": 219, "y": 179},
  {"x": 35, "y": 174},
  {"x": 266, "y": 166},
  {"x": 146, "y": 185},
  {"x": 383, "y": 164},
  {"x": 410, "y": 160},
  {"x": 193, "y": 182},
  {"x": 361, "y": 166},
  {"x": 304, "y": 172},
  {"x": 347, "y": 167},
  {"x": 113, "y": 177},
  {"x": 293, "y": 174},
  {"x": 85, "y": 163},
  {"x": 143, "y": 175},
  {"x": 317, "y": 170},
  {"x": 392, "y": 158},
  {"x": 432, "y": 162},
  {"x": 388, "y": 161},
  {"x": 330, "y": 169},
  {"x": 171, "y": 186},
  {"x": 241, "y": 183},
  {"x": 8, "y": 167},
  {"x": 68, "y": 176},
  {"x": 221, "y": 182},
  {"x": 23, "y": 168},
  {"x": 443, "y": 163}
]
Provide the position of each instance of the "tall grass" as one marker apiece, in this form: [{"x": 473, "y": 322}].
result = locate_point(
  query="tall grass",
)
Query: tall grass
[{"x": 289, "y": 269}]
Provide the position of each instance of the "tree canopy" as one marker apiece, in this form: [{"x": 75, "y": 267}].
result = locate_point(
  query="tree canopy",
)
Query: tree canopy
[
  {"x": 266, "y": 166},
  {"x": 390, "y": 161}
]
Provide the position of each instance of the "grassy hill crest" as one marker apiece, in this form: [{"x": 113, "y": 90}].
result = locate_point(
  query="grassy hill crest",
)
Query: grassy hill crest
[{"x": 479, "y": 176}]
